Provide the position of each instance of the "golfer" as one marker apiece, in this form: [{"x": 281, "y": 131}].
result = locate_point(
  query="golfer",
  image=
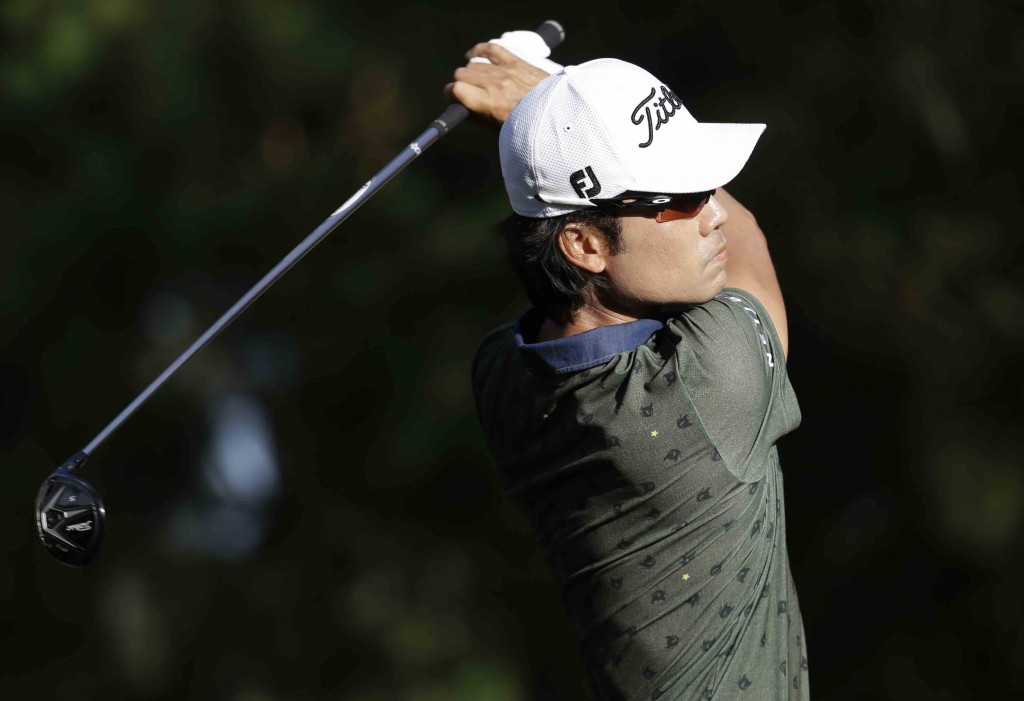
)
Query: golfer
[{"x": 633, "y": 411}]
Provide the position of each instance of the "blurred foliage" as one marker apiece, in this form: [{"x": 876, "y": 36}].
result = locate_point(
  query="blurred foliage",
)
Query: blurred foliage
[{"x": 159, "y": 157}]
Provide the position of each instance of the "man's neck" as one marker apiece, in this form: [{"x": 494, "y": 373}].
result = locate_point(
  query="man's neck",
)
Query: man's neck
[{"x": 586, "y": 318}]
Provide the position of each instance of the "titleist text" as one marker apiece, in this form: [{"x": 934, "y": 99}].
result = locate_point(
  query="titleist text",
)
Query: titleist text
[{"x": 664, "y": 109}]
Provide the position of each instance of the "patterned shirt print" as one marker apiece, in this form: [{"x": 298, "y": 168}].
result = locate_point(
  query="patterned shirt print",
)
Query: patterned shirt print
[{"x": 653, "y": 483}]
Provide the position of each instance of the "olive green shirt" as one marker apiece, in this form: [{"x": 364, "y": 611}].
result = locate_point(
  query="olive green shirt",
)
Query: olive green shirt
[{"x": 644, "y": 456}]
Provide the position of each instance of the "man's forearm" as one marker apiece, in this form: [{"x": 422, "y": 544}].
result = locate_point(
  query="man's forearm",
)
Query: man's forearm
[{"x": 750, "y": 266}]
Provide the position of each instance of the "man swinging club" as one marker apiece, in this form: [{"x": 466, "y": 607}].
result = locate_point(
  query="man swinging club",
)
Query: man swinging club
[{"x": 633, "y": 411}]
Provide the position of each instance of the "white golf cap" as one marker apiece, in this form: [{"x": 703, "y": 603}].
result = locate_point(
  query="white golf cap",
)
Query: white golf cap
[{"x": 607, "y": 127}]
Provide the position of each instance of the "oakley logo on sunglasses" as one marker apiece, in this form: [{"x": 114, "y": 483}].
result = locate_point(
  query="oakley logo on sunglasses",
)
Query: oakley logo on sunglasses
[
  {"x": 664, "y": 109},
  {"x": 585, "y": 183}
]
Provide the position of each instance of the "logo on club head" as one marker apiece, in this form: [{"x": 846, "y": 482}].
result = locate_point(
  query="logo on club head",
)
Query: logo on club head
[
  {"x": 585, "y": 183},
  {"x": 83, "y": 526}
]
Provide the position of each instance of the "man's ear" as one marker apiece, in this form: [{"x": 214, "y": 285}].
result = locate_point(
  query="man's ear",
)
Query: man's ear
[{"x": 584, "y": 245}]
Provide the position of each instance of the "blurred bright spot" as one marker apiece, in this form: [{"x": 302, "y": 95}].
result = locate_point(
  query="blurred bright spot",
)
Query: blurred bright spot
[
  {"x": 487, "y": 683},
  {"x": 117, "y": 15},
  {"x": 229, "y": 519},
  {"x": 978, "y": 496},
  {"x": 375, "y": 600},
  {"x": 242, "y": 465},
  {"x": 283, "y": 22},
  {"x": 425, "y": 639},
  {"x": 69, "y": 45}
]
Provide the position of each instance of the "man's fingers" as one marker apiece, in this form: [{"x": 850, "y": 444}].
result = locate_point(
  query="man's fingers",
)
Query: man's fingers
[
  {"x": 492, "y": 88},
  {"x": 493, "y": 52},
  {"x": 475, "y": 99},
  {"x": 479, "y": 73}
]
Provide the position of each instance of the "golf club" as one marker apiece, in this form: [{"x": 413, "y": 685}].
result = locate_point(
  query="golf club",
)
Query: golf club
[{"x": 70, "y": 514}]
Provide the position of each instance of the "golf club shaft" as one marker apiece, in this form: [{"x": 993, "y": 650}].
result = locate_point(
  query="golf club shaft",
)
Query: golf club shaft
[{"x": 550, "y": 31}]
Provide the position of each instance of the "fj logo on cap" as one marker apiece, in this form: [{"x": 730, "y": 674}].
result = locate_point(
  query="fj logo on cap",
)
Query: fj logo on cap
[
  {"x": 585, "y": 183},
  {"x": 664, "y": 109}
]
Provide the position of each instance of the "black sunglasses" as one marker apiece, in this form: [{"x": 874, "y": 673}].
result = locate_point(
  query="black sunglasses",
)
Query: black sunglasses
[{"x": 668, "y": 207}]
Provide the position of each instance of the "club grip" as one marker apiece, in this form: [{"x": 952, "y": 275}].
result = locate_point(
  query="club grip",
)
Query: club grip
[
  {"x": 452, "y": 117},
  {"x": 552, "y": 33}
]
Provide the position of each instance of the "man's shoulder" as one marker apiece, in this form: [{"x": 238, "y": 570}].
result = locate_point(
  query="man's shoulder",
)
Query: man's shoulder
[
  {"x": 728, "y": 342},
  {"x": 496, "y": 344},
  {"x": 733, "y": 318}
]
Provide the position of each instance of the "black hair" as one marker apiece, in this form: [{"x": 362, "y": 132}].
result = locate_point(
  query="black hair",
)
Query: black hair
[{"x": 554, "y": 285}]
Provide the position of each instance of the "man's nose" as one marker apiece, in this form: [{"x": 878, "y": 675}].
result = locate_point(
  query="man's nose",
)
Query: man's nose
[{"x": 712, "y": 216}]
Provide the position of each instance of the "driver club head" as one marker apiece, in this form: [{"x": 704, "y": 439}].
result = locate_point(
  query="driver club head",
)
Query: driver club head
[{"x": 70, "y": 515}]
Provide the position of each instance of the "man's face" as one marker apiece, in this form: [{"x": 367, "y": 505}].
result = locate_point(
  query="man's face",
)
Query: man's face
[{"x": 669, "y": 263}]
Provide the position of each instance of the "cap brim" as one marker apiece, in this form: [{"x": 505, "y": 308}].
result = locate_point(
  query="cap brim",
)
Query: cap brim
[{"x": 701, "y": 157}]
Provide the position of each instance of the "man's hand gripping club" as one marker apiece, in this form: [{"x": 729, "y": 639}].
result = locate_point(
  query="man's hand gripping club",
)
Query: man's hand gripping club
[{"x": 491, "y": 88}]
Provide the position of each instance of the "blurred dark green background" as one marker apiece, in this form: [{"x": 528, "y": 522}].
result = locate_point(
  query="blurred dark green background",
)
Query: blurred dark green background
[{"x": 307, "y": 511}]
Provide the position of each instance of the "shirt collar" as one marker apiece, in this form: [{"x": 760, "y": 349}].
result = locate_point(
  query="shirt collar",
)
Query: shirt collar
[{"x": 583, "y": 350}]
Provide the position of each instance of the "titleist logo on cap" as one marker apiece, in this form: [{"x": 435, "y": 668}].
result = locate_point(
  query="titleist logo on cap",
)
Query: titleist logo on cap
[{"x": 664, "y": 110}]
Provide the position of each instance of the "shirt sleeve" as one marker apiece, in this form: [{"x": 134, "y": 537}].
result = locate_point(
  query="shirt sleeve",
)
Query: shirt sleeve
[{"x": 735, "y": 372}]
